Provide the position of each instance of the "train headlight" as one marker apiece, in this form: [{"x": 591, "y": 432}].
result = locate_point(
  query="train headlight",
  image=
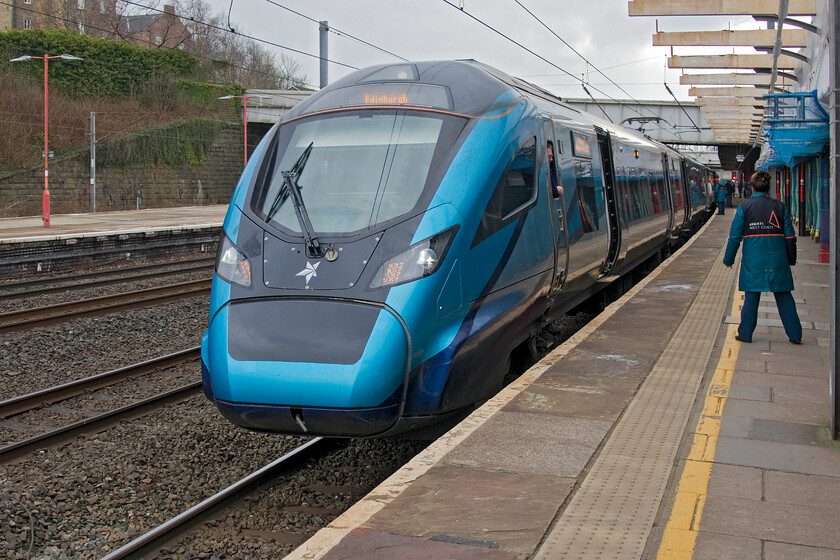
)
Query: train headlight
[
  {"x": 428, "y": 259},
  {"x": 231, "y": 264},
  {"x": 419, "y": 260}
]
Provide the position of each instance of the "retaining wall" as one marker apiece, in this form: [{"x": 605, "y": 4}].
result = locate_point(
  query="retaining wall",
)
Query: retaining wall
[{"x": 157, "y": 186}]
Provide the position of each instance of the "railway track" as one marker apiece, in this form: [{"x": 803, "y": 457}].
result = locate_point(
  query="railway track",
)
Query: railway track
[
  {"x": 24, "y": 403},
  {"x": 42, "y": 316},
  {"x": 48, "y": 285},
  {"x": 68, "y": 433},
  {"x": 170, "y": 531}
]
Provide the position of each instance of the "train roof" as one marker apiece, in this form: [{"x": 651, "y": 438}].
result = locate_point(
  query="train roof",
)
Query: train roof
[
  {"x": 470, "y": 87},
  {"x": 466, "y": 87}
]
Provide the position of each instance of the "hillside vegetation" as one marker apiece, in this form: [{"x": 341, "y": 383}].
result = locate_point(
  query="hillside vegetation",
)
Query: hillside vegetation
[{"x": 130, "y": 88}]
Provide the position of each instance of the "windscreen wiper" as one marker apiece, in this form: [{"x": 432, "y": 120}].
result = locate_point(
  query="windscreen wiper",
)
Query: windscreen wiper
[
  {"x": 283, "y": 193},
  {"x": 313, "y": 248}
]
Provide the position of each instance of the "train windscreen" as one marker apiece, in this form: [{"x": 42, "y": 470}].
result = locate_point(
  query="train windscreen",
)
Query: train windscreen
[{"x": 361, "y": 169}]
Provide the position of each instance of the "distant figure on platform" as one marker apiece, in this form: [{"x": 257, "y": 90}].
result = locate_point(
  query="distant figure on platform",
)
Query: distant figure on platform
[
  {"x": 769, "y": 251},
  {"x": 730, "y": 190},
  {"x": 720, "y": 198}
]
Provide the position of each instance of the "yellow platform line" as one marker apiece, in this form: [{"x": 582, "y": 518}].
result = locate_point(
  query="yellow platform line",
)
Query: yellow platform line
[{"x": 683, "y": 526}]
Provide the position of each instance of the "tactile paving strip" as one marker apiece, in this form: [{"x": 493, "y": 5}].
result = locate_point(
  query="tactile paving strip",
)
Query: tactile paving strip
[{"x": 612, "y": 513}]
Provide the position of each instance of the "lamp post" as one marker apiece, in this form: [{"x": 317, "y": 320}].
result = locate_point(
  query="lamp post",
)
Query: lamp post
[
  {"x": 244, "y": 99},
  {"x": 45, "y": 58}
]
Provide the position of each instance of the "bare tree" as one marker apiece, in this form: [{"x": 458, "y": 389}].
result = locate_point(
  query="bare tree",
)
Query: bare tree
[
  {"x": 226, "y": 57},
  {"x": 191, "y": 25}
]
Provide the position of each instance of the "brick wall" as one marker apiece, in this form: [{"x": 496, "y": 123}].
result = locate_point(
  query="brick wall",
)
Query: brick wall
[{"x": 117, "y": 189}]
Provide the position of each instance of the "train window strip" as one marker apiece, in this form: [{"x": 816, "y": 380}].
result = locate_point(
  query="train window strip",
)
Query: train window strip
[
  {"x": 514, "y": 193},
  {"x": 410, "y": 107}
]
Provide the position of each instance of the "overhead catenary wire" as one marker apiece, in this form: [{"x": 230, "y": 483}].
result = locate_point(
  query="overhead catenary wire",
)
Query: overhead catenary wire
[
  {"x": 683, "y": 109},
  {"x": 512, "y": 40},
  {"x": 93, "y": 27},
  {"x": 245, "y": 35},
  {"x": 596, "y": 103},
  {"x": 523, "y": 47},
  {"x": 336, "y": 31},
  {"x": 550, "y": 30},
  {"x": 605, "y": 68}
]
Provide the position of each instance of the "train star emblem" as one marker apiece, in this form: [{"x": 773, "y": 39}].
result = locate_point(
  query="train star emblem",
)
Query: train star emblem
[{"x": 309, "y": 271}]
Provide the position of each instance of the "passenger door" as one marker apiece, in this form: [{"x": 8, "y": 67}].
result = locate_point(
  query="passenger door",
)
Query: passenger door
[
  {"x": 670, "y": 189},
  {"x": 614, "y": 229},
  {"x": 557, "y": 201}
]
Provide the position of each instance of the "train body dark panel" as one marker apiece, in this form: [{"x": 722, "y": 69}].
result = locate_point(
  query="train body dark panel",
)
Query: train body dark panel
[{"x": 400, "y": 233}]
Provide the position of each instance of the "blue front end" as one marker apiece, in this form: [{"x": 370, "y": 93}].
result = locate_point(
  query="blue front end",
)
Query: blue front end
[
  {"x": 340, "y": 366},
  {"x": 407, "y": 305}
]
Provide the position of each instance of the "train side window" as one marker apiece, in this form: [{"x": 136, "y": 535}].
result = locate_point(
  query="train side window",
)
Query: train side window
[
  {"x": 514, "y": 192},
  {"x": 676, "y": 180},
  {"x": 657, "y": 191},
  {"x": 588, "y": 199},
  {"x": 638, "y": 208},
  {"x": 645, "y": 193}
]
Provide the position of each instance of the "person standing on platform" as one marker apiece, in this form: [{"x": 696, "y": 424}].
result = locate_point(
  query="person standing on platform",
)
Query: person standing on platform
[
  {"x": 720, "y": 198},
  {"x": 764, "y": 225}
]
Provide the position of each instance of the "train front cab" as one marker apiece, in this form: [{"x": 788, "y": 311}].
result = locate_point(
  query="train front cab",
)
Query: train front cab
[
  {"x": 321, "y": 346},
  {"x": 485, "y": 293},
  {"x": 312, "y": 342}
]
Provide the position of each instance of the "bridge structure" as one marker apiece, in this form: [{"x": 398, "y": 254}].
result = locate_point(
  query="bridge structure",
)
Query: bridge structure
[
  {"x": 669, "y": 122},
  {"x": 681, "y": 125}
]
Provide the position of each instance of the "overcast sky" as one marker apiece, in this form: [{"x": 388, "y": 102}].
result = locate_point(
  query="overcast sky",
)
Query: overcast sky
[{"x": 600, "y": 30}]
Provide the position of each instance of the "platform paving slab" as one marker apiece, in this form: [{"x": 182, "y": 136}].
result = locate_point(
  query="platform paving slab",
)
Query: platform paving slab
[
  {"x": 788, "y": 523},
  {"x": 787, "y": 388},
  {"x": 795, "y": 413},
  {"x": 502, "y": 507},
  {"x": 520, "y": 442},
  {"x": 732, "y": 426},
  {"x": 788, "y": 432},
  {"x": 785, "y": 551},
  {"x": 737, "y": 482},
  {"x": 801, "y": 459},
  {"x": 711, "y": 546},
  {"x": 584, "y": 402},
  {"x": 750, "y": 392},
  {"x": 807, "y": 490},
  {"x": 363, "y": 544}
]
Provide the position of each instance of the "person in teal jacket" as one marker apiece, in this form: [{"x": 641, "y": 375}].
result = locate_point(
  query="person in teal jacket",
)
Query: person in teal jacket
[
  {"x": 769, "y": 251},
  {"x": 720, "y": 197}
]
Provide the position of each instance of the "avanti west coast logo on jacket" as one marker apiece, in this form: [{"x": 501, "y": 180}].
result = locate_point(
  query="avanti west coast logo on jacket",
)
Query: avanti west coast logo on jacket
[{"x": 764, "y": 220}]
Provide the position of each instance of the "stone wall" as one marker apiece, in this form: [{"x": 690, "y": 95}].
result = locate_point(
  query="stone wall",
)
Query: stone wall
[{"x": 157, "y": 186}]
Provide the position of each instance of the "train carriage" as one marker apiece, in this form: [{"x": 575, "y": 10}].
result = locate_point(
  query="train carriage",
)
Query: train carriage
[{"x": 399, "y": 234}]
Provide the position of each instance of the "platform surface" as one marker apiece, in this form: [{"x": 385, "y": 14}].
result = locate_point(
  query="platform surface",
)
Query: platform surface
[
  {"x": 652, "y": 433},
  {"x": 79, "y": 225}
]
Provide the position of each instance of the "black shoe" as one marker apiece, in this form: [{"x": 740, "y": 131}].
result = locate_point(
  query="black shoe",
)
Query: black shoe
[
  {"x": 739, "y": 339},
  {"x": 797, "y": 341}
]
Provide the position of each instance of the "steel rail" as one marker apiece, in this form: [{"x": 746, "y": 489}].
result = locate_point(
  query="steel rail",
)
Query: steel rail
[
  {"x": 97, "y": 423},
  {"x": 178, "y": 525},
  {"x": 41, "y": 316},
  {"x": 110, "y": 272},
  {"x": 24, "y": 403},
  {"x": 104, "y": 280}
]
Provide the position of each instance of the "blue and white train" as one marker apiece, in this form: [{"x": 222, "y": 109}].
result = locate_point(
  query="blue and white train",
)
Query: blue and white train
[{"x": 402, "y": 232}]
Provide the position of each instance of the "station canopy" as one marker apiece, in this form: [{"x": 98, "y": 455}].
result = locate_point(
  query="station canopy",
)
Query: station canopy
[{"x": 796, "y": 129}]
